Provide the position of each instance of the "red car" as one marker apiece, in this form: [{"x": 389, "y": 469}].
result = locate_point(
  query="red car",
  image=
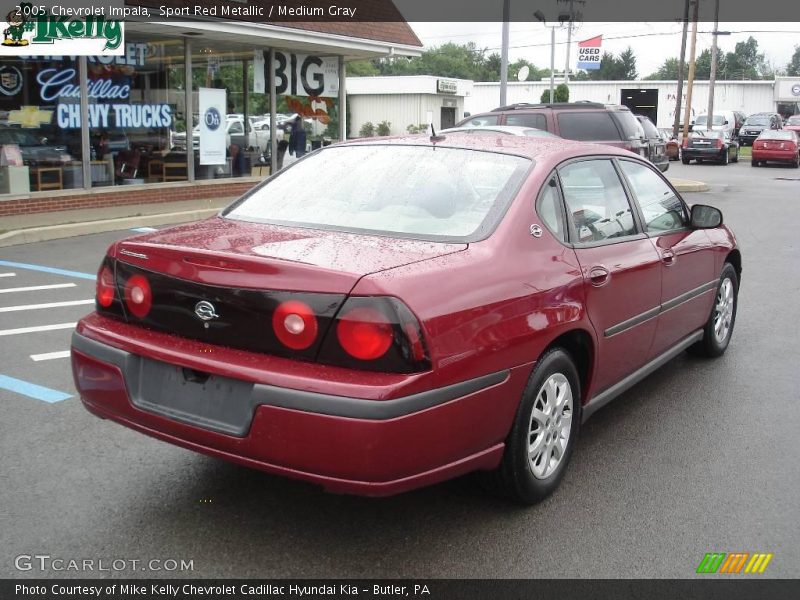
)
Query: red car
[
  {"x": 776, "y": 146},
  {"x": 387, "y": 314},
  {"x": 792, "y": 124}
]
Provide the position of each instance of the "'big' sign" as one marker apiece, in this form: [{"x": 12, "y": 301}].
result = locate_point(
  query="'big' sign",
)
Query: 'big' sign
[{"x": 305, "y": 75}]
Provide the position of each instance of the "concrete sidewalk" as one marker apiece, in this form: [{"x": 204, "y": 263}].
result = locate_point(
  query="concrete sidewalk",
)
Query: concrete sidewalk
[{"x": 26, "y": 229}]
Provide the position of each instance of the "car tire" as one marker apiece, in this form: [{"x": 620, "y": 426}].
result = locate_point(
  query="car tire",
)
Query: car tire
[
  {"x": 684, "y": 160},
  {"x": 796, "y": 163},
  {"x": 754, "y": 163},
  {"x": 736, "y": 156},
  {"x": 553, "y": 389},
  {"x": 719, "y": 327},
  {"x": 725, "y": 158}
]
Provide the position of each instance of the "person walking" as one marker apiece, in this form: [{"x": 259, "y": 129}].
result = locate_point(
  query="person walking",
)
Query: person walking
[{"x": 297, "y": 139}]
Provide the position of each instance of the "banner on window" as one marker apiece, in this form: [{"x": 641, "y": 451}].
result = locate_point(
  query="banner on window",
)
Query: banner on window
[
  {"x": 589, "y": 53},
  {"x": 305, "y": 75},
  {"x": 213, "y": 125}
]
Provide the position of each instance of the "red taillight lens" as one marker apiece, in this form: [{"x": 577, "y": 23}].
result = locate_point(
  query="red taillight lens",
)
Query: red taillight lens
[
  {"x": 719, "y": 143},
  {"x": 295, "y": 324},
  {"x": 364, "y": 333},
  {"x": 685, "y": 143},
  {"x": 105, "y": 287},
  {"x": 138, "y": 296}
]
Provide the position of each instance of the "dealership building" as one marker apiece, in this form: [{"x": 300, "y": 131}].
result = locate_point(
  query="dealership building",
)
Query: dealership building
[
  {"x": 410, "y": 100},
  {"x": 90, "y": 132}
]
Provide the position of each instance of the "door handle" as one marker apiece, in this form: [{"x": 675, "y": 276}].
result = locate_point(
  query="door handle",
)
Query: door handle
[
  {"x": 599, "y": 276},
  {"x": 668, "y": 257}
]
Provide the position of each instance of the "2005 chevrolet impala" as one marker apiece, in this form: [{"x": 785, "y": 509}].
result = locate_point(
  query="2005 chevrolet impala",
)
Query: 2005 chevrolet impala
[{"x": 387, "y": 314}]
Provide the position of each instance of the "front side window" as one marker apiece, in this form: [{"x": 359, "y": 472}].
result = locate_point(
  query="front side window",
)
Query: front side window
[
  {"x": 661, "y": 208},
  {"x": 402, "y": 191},
  {"x": 596, "y": 201}
]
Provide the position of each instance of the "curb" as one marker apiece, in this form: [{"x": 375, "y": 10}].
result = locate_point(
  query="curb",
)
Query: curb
[
  {"x": 688, "y": 185},
  {"x": 55, "y": 232}
]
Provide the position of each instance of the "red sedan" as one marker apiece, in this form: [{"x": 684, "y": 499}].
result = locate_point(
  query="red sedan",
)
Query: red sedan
[
  {"x": 776, "y": 146},
  {"x": 387, "y": 314}
]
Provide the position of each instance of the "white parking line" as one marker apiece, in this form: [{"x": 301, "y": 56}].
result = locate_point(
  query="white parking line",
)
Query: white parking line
[
  {"x": 8, "y": 274},
  {"x": 36, "y": 288},
  {"x": 50, "y": 355},
  {"x": 36, "y": 329},
  {"x": 6, "y": 309}
]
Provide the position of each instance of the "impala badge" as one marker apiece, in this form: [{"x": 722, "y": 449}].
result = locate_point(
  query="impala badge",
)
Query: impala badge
[{"x": 205, "y": 311}]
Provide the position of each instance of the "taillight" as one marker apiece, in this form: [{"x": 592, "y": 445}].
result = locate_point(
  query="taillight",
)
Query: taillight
[
  {"x": 685, "y": 143},
  {"x": 138, "y": 296},
  {"x": 105, "y": 287},
  {"x": 295, "y": 324},
  {"x": 376, "y": 333},
  {"x": 719, "y": 143},
  {"x": 364, "y": 333}
]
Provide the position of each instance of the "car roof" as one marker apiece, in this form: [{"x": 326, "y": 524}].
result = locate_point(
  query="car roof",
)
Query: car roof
[
  {"x": 507, "y": 129},
  {"x": 540, "y": 149}
]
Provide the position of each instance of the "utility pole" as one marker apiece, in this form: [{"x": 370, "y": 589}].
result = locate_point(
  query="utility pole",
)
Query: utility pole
[
  {"x": 570, "y": 17},
  {"x": 688, "y": 114},
  {"x": 504, "y": 53},
  {"x": 713, "y": 76},
  {"x": 540, "y": 15},
  {"x": 679, "y": 98}
]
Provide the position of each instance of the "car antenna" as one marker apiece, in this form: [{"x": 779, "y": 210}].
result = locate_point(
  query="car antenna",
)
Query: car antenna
[{"x": 436, "y": 138}]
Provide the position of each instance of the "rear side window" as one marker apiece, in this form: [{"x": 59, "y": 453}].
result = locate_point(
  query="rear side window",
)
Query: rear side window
[
  {"x": 585, "y": 126},
  {"x": 481, "y": 121},
  {"x": 549, "y": 209},
  {"x": 628, "y": 124},
  {"x": 537, "y": 121},
  {"x": 649, "y": 129},
  {"x": 596, "y": 201}
]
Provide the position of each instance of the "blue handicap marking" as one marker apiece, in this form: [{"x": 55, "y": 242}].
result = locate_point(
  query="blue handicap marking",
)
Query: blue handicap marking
[
  {"x": 43, "y": 269},
  {"x": 32, "y": 390}
]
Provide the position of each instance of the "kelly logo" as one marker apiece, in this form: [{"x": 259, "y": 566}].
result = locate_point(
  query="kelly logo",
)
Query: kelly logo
[
  {"x": 734, "y": 563},
  {"x": 34, "y": 31}
]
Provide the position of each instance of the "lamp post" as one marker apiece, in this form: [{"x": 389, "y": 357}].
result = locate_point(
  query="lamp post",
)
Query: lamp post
[{"x": 540, "y": 16}]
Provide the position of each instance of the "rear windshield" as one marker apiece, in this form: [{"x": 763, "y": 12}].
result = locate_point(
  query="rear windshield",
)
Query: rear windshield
[
  {"x": 777, "y": 135},
  {"x": 703, "y": 120},
  {"x": 702, "y": 133},
  {"x": 596, "y": 125},
  {"x": 793, "y": 120},
  {"x": 421, "y": 192}
]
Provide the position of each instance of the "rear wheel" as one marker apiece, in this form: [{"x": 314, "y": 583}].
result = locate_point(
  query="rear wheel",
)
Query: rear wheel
[
  {"x": 796, "y": 163},
  {"x": 725, "y": 157},
  {"x": 684, "y": 160},
  {"x": 754, "y": 163},
  {"x": 719, "y": 327},
  {"x": 544, "y": 432},
  {"x": 736, "y": 156}
]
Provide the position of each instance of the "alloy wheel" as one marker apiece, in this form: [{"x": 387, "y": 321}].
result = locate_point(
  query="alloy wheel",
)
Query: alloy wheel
[
  {"x": 550, "y": 426},
  {"x": 723, "y": 311}
]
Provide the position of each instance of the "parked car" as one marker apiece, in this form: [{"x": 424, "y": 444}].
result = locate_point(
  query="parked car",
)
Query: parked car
[
  {"x": 501, "y": 129},
  {"x": 386, "y": 314},
  {"x": 673, "y": 146},
  {"x": 34, "y": 150},
  {"x": 776, "y": 146},
  {"x": 583, "y": 121},
  {"x": 258, "y": 137},
  {"x": 757, "y": 123},
  {"x": 715, "y": 145},
  {"x": 656, "y": 147},
  {"x": 793, "y": 124},
  {"x": 725, "y": 120}
]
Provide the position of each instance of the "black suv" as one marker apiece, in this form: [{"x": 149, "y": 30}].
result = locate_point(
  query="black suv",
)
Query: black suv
[
  {"x": 584, "y": 121},
  {"x": 757, "y": 123}
]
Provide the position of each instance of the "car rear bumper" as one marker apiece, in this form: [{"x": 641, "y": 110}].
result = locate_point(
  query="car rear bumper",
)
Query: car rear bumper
[
  {"x": 706, "y": 153},
  {"x": 347, "y": 445},
  {"x": 775, "y": 155}
]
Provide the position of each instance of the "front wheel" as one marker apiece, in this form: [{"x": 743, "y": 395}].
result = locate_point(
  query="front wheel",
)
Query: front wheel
[
  {"x": 544, "y": 432},
  {"x": 736, "y": 156},
  {"x": 719, "y": 327}
]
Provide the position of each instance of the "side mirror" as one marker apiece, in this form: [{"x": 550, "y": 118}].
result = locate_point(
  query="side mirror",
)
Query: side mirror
[
  {"x": 726, "y": 122},
  {"x": 705, "y": 217}
]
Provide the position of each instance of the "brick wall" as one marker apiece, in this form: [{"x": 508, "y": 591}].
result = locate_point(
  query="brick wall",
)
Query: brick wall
[{"x": 121, "y": 195}]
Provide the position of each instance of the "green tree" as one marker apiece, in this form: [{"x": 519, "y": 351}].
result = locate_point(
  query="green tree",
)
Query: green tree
[
  {"x": 745, "y": 62},
  {"x": 362, "y": 68},
  {"x": 627, "y": 64},
  {"x": 669, "y": 70},
  {"x": 560, "y": 94},
  {"x": 793, "y": 68}
]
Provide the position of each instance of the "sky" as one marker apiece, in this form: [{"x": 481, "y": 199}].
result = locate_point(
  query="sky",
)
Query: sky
[{"x": 651, "y": 42}]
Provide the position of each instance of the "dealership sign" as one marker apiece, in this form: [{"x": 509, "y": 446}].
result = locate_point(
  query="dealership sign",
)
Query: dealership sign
[
  {"x": 213, "y": 126},
  {"x": 35, "y": 31},
  {"x": 589, "y": 53},
  {"x": 127, "y": 116},
  {"x": 305, "y": 75}
]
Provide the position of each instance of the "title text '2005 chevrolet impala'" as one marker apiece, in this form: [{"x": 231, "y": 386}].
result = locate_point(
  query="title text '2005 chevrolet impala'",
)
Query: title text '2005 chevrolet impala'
[{"x": 383, "y": 315}]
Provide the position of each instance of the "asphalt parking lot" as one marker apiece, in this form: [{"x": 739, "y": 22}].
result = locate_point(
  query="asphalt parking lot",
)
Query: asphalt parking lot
[{"x": 703, "y": 456}]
